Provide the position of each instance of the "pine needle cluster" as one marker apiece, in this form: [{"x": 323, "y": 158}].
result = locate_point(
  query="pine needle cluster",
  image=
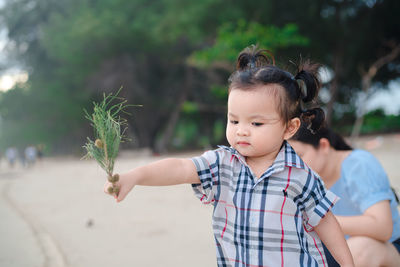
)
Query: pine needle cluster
[{"x": 109, "y": 128}]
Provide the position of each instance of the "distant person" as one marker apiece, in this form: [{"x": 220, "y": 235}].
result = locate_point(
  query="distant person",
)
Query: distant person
[
  {"x": 269, "y": 208},
  {"x": 21, "y": 155},
  {"x": 40, "y": 149},
  {"x": 367, "y": 211},
  {"x": 30, "y": 155},
  {"x": 11, "y": 156}
]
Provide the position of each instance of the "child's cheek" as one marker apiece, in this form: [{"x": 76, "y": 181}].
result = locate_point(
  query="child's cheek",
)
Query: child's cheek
[{"x": 229, "y": 134}]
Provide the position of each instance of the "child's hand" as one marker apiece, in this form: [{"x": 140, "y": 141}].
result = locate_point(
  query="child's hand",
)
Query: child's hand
[
  {"x": 125, "y": 185},
  {"x": 170, "y": 171}
]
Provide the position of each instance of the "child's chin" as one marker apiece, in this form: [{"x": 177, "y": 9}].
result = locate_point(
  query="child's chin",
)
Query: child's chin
[{"x": 244, "y": 153}]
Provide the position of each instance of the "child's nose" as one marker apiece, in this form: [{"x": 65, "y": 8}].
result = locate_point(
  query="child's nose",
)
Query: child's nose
[{"x": 242, "y": 131}]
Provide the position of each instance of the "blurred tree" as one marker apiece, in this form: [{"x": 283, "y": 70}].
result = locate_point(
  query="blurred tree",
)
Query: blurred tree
[
  {"x": 366, "y": 80},
  {"x": 41, "y": 111},
  {"x": 233, "y": 37},
  {"x": 78, "y": 49},
  {"x": 74, "y": 50},
  {"x": 344, "y": 35}
]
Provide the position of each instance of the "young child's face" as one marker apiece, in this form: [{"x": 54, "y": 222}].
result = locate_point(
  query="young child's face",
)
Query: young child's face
[{"x": 254, "y": 126}]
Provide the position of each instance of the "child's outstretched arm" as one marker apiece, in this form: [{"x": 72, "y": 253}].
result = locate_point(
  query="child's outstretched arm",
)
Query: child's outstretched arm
[
  {"x": 170, "y": 171},
  {"x": 331, "y": 235}
]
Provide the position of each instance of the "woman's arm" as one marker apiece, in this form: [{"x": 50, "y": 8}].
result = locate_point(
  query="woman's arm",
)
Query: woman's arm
[
  {"x": 171, "y": 171},
  {"x": 332, "y": 236},
  {"x": 376, "y": 222}
]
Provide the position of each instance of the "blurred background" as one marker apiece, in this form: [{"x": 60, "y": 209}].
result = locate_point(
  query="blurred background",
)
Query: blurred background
[{"x": 174, "y": 57}]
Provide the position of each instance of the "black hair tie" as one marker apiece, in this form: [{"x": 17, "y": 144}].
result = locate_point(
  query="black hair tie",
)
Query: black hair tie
[{"x": 303, "y": 88}]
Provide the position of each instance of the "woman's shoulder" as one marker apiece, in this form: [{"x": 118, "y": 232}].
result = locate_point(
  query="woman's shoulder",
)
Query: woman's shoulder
[
  {"x": 360, "y": 157},
  {"x": 360, "y": 152},
  {"x": 361, "y": 162}
]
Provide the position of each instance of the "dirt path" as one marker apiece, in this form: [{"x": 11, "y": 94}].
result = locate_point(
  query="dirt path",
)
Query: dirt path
[{"x": 55, "y": 214}]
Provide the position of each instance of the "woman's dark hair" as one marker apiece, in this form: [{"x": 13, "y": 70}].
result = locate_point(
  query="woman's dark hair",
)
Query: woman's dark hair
[
  {"x": 305, "y": 136},
  {"x": 256, "y": 67}
]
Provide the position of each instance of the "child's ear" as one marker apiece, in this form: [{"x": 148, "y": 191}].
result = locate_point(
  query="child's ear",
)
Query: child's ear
[{"x": 291, "y": 128}]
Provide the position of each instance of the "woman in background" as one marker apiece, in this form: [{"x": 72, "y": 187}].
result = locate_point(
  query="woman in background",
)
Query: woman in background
[{"x": 367, "y": 211}]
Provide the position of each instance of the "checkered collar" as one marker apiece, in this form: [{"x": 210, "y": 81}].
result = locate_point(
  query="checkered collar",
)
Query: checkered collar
[{"x": 286, "y": 157}]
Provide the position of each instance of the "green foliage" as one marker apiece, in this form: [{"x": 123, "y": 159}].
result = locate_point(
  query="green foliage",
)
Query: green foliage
[
  {"x": 73, "y": 49},
  {"x": 219, "y": 92},
  {"x": 185, "y": 134},
  {"x": 377, "y": 122},
  {"x": 233, "y": 37},
  {"x": 219, "y": 131},
  {"x": 109, "y": 130},
  {"x": 29, "y": 117},
  {"x": 188, "y": 134},
  {"x": 189, "y": 107}
]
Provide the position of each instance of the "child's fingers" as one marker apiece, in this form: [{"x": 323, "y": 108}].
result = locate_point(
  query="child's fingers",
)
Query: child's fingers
[
  {"x": 107, "y": 187},
  {"x": 121, "y": 195},
  {"x": 123, "y": 192},
  {"x": 118, "y": 187}
]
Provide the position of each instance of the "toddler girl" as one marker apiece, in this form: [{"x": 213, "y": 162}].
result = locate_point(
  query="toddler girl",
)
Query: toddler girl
[{"x": 270, "y": 209}]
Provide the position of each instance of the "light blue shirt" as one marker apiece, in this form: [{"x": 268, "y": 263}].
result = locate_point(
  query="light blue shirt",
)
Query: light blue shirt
[{"x": 363, "y": 183}]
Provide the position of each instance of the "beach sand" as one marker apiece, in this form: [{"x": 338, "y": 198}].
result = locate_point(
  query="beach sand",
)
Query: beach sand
[{"x": 56, "y": 214}]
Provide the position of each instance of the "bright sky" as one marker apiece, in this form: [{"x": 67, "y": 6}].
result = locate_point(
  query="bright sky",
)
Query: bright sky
[
  {"x": 388, "y": 100},
  {"x": 8, "y": 77},
  {"x": 7, "y": 81}
]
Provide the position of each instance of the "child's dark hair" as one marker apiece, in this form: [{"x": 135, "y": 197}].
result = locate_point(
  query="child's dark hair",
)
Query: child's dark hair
[
  {"x": 336, "y": 141},
  {"x": 254, "y": 68}
]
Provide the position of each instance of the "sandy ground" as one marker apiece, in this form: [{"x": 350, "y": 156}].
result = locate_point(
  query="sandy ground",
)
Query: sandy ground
[{"x": 56, "y": 214}]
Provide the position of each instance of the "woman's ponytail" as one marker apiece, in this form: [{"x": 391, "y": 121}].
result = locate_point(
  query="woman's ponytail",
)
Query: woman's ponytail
[
  {"x": 336, "y": 141},
  {"x": 314, "y": 118}
]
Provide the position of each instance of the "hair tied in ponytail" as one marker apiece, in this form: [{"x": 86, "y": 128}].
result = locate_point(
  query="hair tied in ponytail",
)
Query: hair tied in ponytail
[
  {"x": 252, "y": 63},
  {"x": 314, "y": 118},
  {"x": 303, "y": 88},
  {"x": 309, "y": 127}
]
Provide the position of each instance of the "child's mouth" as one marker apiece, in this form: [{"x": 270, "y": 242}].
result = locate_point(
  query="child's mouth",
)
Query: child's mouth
[{"x": 242, "y": 143}]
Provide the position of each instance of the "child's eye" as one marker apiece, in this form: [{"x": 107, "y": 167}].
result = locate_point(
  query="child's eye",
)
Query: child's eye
[
  {"x": 234, "y": 122},
  {"x": 257, "y": 123}
]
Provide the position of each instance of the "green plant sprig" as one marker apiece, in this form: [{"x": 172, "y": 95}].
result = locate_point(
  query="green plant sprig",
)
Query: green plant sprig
[{"x": 109, "y": 129}]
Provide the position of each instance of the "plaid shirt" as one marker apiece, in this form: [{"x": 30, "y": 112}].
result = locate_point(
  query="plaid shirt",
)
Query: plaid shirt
[{"x": 267, "y": 221}]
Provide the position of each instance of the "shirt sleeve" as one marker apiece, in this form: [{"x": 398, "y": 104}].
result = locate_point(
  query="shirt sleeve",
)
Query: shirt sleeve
[
  {"x": 318, "y": 201},
  {"x": 366, "y": 181},
  {"x": 207, "y": 166}
]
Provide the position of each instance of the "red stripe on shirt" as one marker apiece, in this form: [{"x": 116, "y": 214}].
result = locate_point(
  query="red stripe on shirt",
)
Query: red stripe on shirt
[
  {"x": 315, "y": 243},
  {"x": 226, "y": 223}
]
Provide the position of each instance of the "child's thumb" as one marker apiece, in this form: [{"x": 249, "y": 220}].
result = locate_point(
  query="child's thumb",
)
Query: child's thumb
[{"x": 121, "y": 195}]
